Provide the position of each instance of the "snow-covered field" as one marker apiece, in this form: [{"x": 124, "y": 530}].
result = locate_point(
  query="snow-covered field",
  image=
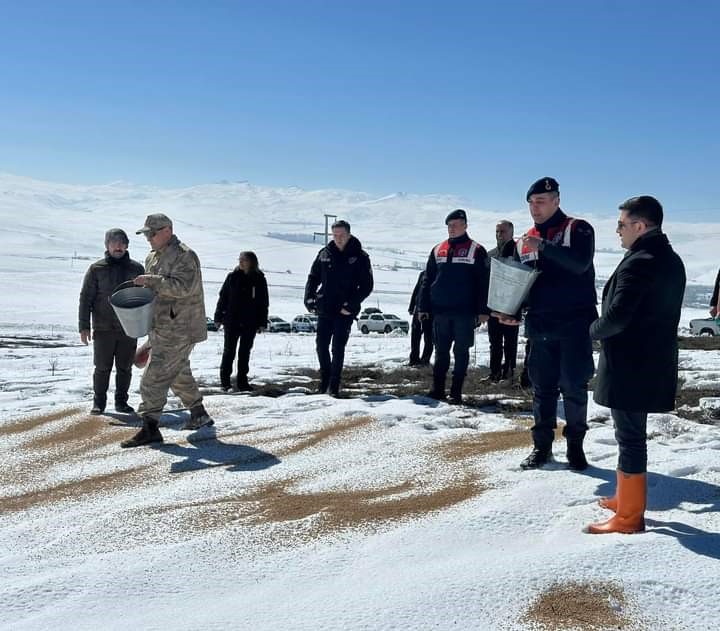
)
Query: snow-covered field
[{"x": 301, "y": 511}]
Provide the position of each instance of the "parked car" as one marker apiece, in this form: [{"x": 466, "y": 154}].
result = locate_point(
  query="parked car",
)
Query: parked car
[
  {"x": 304, "y": 323},
  {"x": 210, "y": 324},
  {"x": 705, "y": 326},
  {"x": 276, "y": 324},
  {"x": 381, "y": 323}
]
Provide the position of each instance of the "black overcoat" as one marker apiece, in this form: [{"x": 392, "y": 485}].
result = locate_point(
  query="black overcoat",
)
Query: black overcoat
[{"x": 637, "y": 371}]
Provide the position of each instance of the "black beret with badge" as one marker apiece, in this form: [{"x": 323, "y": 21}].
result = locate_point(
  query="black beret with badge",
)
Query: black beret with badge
[
  {"x": 543, "y": 185},
  {"x": 456, "y": 214}
]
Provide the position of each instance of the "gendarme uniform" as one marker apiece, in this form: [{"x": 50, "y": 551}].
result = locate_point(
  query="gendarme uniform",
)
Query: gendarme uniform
[{"x": 560, "y": 307}]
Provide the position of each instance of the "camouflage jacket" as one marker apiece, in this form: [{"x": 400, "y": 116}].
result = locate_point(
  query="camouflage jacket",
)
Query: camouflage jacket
[
  {"x": 100, "y": 282},
  {"x": 180, "y": 303}
]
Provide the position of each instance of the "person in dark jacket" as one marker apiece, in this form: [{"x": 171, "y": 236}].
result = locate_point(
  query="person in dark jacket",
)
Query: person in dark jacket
[
  {"x": 242, "y": 311},
  {"x": 503, "y": 338},
  {"x": 110, "y": 344},
  {"x": 637, "y": 371},
  {"x": 560, "y": 307},
  {"x": 340, "y": 279},
  {"x": 714, "y": 312},
  {"x": 454, "y": 291},
  {"x": 420, "y": 329}
]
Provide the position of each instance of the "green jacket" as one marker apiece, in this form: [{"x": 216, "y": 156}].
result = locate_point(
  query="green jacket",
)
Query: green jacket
[{"x": 180, "y": 303}]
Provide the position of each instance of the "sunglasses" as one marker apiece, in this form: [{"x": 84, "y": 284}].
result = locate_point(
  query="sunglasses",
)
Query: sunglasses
[{"x": 621, "y": 225}]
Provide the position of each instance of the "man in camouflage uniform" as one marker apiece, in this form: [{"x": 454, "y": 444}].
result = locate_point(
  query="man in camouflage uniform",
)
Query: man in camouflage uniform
[
  {"x": 172, "y": 271},
  {"x": 110, "y": 344}
]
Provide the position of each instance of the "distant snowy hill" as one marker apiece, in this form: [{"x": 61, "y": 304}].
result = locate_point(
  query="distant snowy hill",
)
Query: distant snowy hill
[{"x": 57, "y": 228}]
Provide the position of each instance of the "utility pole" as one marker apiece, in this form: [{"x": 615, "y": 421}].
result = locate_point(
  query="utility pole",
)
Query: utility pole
[{"x": 326, "y": 234}]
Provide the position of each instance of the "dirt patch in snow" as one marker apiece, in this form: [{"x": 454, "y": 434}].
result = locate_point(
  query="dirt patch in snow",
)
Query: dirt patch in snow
[
  {"x": 314, "y": 514},
  {"x": 699, "y": 343},
  {"x": 471, "y": 445},
  {"x": 73, "y": 490},
  {"x": 34, "y": 422},
  {"x": 87, "y": 433},
  {"x": 310, "y": 439},
  {"x": 586, "y": 606}
]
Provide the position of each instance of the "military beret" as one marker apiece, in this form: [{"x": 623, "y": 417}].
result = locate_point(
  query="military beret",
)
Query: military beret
[
  {"x": 543, "y": 185},
  {"x": 456, "y": 214}
]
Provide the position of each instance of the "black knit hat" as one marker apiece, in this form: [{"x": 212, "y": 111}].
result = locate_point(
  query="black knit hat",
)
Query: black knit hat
[
  {"x": 543, "y": 185},
  {"x": 116, "y": 234},
  {"x": 456, "y": 214}
]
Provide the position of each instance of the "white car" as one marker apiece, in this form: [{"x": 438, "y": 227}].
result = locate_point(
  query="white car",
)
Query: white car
[
  {"x": 381, "y": 323},
  {"x": 304, "y": 323},
  {"x": 705, "y": 326},
  {"x": 276, "y": 324}
]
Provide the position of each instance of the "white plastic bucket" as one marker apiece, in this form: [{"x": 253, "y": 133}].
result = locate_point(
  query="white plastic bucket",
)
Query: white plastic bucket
[
  {"x": 133, "y": 306},
  {"x": 510, "y": 283}
]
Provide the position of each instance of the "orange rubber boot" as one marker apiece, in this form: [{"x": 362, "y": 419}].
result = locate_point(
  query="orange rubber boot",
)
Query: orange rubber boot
[
  {"x": 630, "y": 515},
  {"x": 611, "y": 502}
]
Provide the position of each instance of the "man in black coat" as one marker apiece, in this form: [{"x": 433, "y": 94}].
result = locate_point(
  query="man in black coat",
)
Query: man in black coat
[
  {"x": 637, "y": 371},
  {"x": 110, "y": 344},
  {"x": 420, "y": 329},
  {"x": 454, "y": 291},
  {"x": 503, "y": 338},
  {"x": 340, "y": 279}
]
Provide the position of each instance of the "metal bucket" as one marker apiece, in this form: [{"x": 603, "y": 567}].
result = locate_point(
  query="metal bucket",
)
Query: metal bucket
[
  {"x": 133, "y": 306},
  {"x": 510, "y": 283}
]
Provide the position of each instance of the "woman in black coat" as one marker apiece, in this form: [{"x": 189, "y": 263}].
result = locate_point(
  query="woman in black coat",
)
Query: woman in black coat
[{"x": 242, "y": 310}]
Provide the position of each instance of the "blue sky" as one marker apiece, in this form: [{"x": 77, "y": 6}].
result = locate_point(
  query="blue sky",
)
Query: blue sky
[{"x": 473, "y": 98}]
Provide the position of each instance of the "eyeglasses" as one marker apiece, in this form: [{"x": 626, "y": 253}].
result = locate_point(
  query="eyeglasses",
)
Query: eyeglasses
[{"x": 621, "y": 225}]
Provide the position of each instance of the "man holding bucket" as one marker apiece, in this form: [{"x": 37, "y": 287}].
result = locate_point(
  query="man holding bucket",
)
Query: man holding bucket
[
  {"x": 172, "y": 271},
  {"x": 560, "y": 307},
  {"x": 110, "y": 343}
]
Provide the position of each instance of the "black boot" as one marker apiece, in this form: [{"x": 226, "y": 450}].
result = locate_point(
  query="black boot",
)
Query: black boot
[
  {"x": 324, "y": 383},
  {"x": 123, "y": 407},
  {"x": 456, "y": 391},
  {"x": 438, "y": 389},
  {"x": 98, "y": 406},
  {"x": 537, "y": 458},
  {"x": 198, "y": 418},
  {"x": 576, "y": 456},
  {"x": 243, "y": 385},
  {"x": 334, "y": 388},
  {"x": 148, "y": 434}
]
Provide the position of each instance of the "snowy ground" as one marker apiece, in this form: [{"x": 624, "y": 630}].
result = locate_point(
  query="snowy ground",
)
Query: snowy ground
[{"x": 301, "y": 511}]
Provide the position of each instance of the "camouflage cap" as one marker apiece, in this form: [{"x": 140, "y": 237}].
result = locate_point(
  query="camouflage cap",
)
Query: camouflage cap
[{"x": 155, "y": 222}]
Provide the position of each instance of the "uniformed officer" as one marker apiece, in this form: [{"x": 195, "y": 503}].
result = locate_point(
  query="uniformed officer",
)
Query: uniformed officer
[
  {"x": 454, "y": 290},
  {"x": 172, "y": 271},
  {"x": 561, "y": 305}
]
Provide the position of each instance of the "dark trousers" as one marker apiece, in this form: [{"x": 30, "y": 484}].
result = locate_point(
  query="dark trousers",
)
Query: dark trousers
[
  {"x": 631, "y": 436},
  {"x": 333, "y": 330},
  {"x": 458, "y": 331},
  {"x": 421, "y": 330},
  {"x": 112, "y": 347},
  {"x": 556, "y": 366},
  {"x": 503, "y": 338},
  {"x": 246, "y": 337}
]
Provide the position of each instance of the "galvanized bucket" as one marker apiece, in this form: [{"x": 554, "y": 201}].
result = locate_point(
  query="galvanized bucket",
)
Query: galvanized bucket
[
  {"x": 510, "y": 283},
  {"x": 133, "y": 306}
]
